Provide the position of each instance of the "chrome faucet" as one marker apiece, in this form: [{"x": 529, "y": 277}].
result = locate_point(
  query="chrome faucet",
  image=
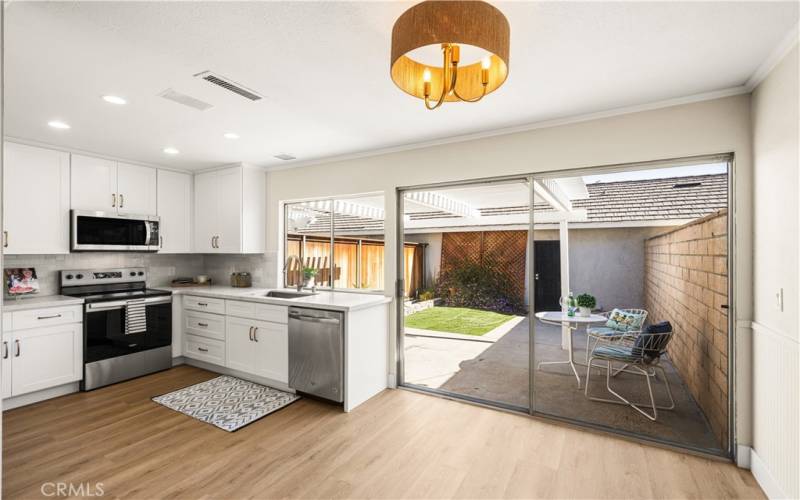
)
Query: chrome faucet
[{"x": 286, "y": 264}]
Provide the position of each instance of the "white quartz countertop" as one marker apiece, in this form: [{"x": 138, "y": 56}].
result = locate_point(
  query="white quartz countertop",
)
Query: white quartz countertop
[
  {"x": 25, "y": 303},
  {"x": 339, "y": 301}
]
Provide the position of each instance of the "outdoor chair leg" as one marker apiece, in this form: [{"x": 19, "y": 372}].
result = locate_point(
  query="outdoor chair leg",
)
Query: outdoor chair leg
[
  {"x": 622, "y": 400},
  {"x": 666, "y": 385},
  {"x": 588, "y": 375}
]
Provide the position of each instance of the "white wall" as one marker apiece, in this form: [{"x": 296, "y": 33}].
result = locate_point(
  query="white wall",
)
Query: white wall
[
  {"x": 776, "y": 341},
  {"x": 708, "y": 127}
]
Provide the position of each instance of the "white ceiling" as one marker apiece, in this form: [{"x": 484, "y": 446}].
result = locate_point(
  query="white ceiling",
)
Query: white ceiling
[{"x": 323, "y": 67}]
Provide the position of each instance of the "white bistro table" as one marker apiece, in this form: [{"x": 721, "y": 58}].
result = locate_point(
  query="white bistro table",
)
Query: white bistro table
[{"x": 560, "y": 318}]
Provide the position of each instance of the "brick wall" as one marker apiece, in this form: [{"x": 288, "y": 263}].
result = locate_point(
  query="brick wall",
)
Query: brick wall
[{"x": 686, "y": 283}]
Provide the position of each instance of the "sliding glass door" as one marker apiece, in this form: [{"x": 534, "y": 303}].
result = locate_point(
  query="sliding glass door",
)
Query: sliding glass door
[
  {"x": 465, "y": 325},
  {"x": 599, "y": 297}
]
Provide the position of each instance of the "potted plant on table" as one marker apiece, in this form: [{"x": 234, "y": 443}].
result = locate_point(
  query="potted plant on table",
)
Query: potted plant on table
[{"x": 586, "y": 302}]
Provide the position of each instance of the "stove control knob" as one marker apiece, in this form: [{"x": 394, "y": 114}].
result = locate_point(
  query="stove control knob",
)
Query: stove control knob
[
  {"x": 69, "y": 276},
  {"x": 141, "y": 273},
  {"x": 79, "y": 276},
  {"x": 133, "y": 273}
]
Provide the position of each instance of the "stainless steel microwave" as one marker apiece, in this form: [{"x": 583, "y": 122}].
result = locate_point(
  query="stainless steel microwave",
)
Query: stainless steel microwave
[{"x": 108, "y": 232}]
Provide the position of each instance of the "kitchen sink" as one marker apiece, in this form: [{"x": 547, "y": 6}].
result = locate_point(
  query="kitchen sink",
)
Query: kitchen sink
[{"x": 287, "y": 294}]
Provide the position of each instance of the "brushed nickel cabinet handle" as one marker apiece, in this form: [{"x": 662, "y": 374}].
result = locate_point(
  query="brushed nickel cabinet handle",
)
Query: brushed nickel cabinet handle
[
  {"x": 250, "y": 333},
  {"x": 161, "y": 242},
  {"x": 5, "y": 239},
  {"x": 49, "y": 317},
  {"x": 113, "y": 200},
  {"x": 202, "y": 349},
  {"x": 121, "y": 201},
  {"x": 5, "y": 350},
  {"x": 202, "y": 304},
  {"x": 255, "y": 333},
  {"x": 202, "y": 324},
  {"x": 19, "y": 351}
]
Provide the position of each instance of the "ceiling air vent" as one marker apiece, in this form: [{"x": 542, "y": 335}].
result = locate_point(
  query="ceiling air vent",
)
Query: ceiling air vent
[
  {"x": 230, "y": 85},
  {"x": 285, "y": 157},
  {"x": 186, "y": 100},
  {"x": 686, "y": 185}
]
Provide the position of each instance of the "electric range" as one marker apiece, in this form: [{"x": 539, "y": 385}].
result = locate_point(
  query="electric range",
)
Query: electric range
[{"x": 127, "y": 327}]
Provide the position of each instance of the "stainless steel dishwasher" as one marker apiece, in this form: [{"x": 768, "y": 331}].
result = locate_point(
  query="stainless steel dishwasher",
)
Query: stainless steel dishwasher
[{"x": 316, "y": 352}]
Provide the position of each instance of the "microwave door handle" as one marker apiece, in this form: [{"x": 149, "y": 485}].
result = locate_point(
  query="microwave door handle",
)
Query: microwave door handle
[{"x": 147, "y": 241}]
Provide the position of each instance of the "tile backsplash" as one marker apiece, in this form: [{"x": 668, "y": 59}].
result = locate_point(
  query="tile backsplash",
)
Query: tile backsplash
[
  {"x": 260, "y": 266},
  {"x": 161, "y": 268}
]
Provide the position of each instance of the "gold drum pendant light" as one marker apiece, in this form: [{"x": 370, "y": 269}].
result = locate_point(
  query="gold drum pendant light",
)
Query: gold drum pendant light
[{"x": 449, "y": 25}]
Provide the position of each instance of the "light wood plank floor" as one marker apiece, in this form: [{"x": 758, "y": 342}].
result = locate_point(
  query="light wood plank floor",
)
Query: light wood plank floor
[{"x": 400, "y": 444}]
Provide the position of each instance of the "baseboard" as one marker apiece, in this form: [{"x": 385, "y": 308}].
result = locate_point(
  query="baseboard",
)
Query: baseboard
[
  {"x": 765, "y": 478},
  {"x": 44, "y": 394},
  {"x": 178, "y": 360},
  {"x": 743, "y": 456}
]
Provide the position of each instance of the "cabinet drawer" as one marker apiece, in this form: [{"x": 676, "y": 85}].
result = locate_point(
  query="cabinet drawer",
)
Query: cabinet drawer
[
  {"x": 205, "y": 325},
  {"x": 208, "y": 350},
  {"x": 48, "y": 316},
  {"x": 254, "y": 310},
  {"x": 204, "y": 304}
]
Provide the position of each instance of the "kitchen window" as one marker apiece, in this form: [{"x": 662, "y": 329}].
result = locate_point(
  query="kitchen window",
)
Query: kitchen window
[{"x": 340, "y": 241}]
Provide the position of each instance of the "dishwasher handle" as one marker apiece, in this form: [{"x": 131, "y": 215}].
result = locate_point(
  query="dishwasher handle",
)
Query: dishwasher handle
[{"x": 313, "y": 319}]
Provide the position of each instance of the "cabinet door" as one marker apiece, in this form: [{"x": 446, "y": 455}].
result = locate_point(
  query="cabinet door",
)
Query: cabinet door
[
  {"x": 175, "y": 208},
  {"x": 5, "y": 363},
  {"x": 45, "y": 357},
  {"x": 35, "y": 200},
  {"x": 239, "y": 349},
  {"x": 229, "y": 208},
  {"x": 136, "y": 188},
  {"x": 271, "y": 351},
  {"x": 206, "y": 199},
  {"x": 93, "y": 184}
]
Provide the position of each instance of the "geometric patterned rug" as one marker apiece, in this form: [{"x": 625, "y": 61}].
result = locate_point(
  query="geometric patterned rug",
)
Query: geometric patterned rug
[{"x": 227, "y": 402}]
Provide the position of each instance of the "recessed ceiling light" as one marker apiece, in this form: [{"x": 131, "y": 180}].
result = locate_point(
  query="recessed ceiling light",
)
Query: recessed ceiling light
[
  {"x": 171, "y": 151},
  {"x": 58, "y": 124},
  {"x": 114, "y": 99},
  {"x": 230, "y": 135},
  {"x": 285, "y": 157}
]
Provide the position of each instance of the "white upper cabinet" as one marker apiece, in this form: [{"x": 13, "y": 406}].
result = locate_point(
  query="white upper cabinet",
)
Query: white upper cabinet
[
  {"x": 175, "y": 211},
  {"x": 35, "y": 200},
  {"x": 205, "y": 212},
  {"x": 136, "y": 188},
  {"x": 110, "y": 186},
  {"x": 229, "y": 211},
  {"x": 229, "y": 215},
  {"x": 94, "y": 184}
]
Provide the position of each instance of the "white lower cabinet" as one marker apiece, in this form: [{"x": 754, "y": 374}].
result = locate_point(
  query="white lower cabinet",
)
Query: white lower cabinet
[
  {"x": 239, "y": 339},
  {"x": 258, "y": 347},
  {"x": 40, "y": 358},
  {"x": 272, "y": 351}
]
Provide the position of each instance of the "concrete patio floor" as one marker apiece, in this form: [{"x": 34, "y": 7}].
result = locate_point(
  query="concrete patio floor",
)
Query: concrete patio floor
[{"x": 498, "y": 371}]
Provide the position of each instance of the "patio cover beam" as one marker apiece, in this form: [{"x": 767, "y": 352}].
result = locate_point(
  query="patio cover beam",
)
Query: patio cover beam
[
  {"x": 436, "y": 201},
  {"x": 549, "y": 191}
]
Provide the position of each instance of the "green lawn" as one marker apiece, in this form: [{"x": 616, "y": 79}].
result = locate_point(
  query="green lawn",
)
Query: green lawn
[{"x": 457, "y": 320}]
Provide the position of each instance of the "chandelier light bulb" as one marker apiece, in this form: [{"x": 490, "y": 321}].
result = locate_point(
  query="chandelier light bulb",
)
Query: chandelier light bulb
[
  {"x": 486, "y": 62},
  {"x": 426, "y": 75}
]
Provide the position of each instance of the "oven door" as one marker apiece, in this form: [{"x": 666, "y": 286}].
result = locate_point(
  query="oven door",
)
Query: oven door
[
  {"x": 100, "y": 231},
  {"x": 105, "y": 329}
]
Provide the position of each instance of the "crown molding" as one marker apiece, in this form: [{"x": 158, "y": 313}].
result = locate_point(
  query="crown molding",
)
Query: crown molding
[
  {"x": 776, "y": 56},
  {"x": 705, "y": 96}
]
